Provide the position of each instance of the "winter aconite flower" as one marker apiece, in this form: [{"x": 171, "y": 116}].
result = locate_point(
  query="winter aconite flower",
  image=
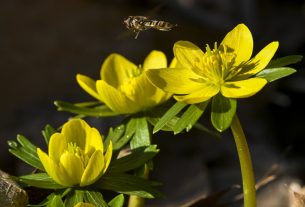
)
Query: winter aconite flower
[
  {"x": 124, "y": 86},
  {"x": 226, "y": 68},
  {"x": 76, "y": 155}
]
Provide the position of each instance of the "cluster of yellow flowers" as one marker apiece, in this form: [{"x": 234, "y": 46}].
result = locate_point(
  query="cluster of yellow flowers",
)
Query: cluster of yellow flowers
[{"x": 76, "y": 155}]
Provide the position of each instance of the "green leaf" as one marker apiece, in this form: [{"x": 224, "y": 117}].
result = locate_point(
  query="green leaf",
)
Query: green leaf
[
  {"x": 135, "y": 159},
  {"x": 97, "y": 111},
  {"x": 127, "y": 184},
  {"x": 142, "y": 134},
  {"x": 114, "y": 135},
  {"x": 74, "y": 197},
  {"x": 272, "y": 74},
  {"x": 26, "y": 151},
  {"x": 190, "y": 117},
  {"x": 118, "y": 143},
  {"x": 95, "y": 198},
  {"x": 56, "y": 202},
  {"x": 117, "y": 201},
  {"x": 47, "y": 133},
  {"x": 40, "y": 180},
  {"x": 283, "y": 61},
  {"x": 207, "y": 130},
  {"x": 223, "y": 111},
  {"x": 169, "y": 115}
]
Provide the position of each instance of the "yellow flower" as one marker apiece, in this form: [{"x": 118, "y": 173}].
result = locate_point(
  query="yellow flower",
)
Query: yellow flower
[
  {"x": 76, "y": 155},
  {"x": 124, "y": 86},
  {"x": 81, "y": 204},
  {"x": 227, "y": 69}
]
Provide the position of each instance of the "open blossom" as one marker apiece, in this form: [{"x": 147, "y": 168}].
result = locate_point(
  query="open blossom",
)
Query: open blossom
[
  {"x": 225, "y": 69},
  {"x": 76, "y": 155},
  {"x": 124, "y": 86}
]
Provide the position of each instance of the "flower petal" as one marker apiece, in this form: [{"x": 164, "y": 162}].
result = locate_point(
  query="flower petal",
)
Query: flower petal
[
  {"x": 94, "y": 141},
  {"x": 175, "y": 80},
  {"x": 154, "y": 60},
  {"x": 107, "y": 157},
  {"x": 116, "y": 69},
  {"x": 94, "y": 168},
  {"x": 52, "y": 169},
  {"x": 57, "y": 145},
  {"x": 73, "y": 167},
  {"x": 142, "y": 87},
  {"x": 243, "y": 88},
  {"x": 187, "y": 53},
  {"x": 259, "y": 62},
  {"x": 116, "y": 100},
  {"x": 75, "y": 131},
  {"x": 240, "y": 40},
  {"x": 199, "y": 96},
  {"x": 88, "y": 85}
]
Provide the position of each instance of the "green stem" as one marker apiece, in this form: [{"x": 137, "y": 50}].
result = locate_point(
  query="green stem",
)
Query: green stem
[
  {"x": 136, "y": 201},
  {"x": 245, "y": 163}
]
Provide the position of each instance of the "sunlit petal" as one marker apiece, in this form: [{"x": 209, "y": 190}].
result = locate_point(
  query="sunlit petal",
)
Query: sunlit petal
[
  {"x": 75, "y": 132},
  {"x": 199, "y": 96},
  {"x": 239, "y": 41},
  {"x": 94, "y": 168},
  {"x": 259, "y": 62},
  {"x": 155, "y": 60},
  {"x": 187, "y": 53},
  {"x": 115, "y": 100},
  {"x": 116, "y": 69},
  {"x": 73, "y": 167},
  {"x": 176, "y": 80},
  {"x": 88, "y": 85},
  {"x": 243, "y": 88},
  {"x": 57, "y": 146},
  {"x": 107, "y": 157},
  {"x": 94, "y": 140}
]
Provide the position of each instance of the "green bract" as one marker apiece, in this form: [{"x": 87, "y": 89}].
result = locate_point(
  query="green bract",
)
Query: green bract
[
  {"x": 76, "y": 155},
  {"x": 124, "y": 86}
]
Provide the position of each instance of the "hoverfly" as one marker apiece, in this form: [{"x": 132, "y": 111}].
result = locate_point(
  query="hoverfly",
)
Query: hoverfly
[{"x": 138, "y": 24}]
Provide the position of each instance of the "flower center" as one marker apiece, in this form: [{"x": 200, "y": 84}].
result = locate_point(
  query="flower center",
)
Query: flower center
[
  {"x": 78, "y": 152},
  {"x": 215, "y": 65},
  {"x": 128, "y": 87}
]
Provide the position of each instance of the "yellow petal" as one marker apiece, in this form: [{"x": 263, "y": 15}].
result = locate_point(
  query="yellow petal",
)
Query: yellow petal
[
  {"x": 73, "y": 166},
  {"x": 88, "y": 85},
  {"x": 115, "y": 100},
  {"x": 94, "y": 141},
  {"x": 107, "y": 157},
  {"x": 94, "y": 168},
  {"x": 145, "y": 94},
  {"x": 243, "y": 88},
  {"x": 75, "y": 131},
  {"x": 116, "y": 69},
  {"x": 259, "y": 62},
  {"x": 57, "y": 145},
  {"x": 175, "y": 80},
  {"x": 199, "y": 96},
  {"x": 52, "y": 169},
  {"x": 154, "y": 60},
  {"x": 187, "y": 53},
  {"x": 240, "y": 40}
]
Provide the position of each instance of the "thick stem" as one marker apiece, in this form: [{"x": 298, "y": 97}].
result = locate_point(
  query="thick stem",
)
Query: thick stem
[{"x": 245, "y": 163}]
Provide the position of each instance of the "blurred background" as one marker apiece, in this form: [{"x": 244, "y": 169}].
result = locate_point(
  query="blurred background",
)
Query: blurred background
[{"x": 44, "y": 44}]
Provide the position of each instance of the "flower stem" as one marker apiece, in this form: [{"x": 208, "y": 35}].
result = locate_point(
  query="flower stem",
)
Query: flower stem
[
  {"x": 245, "y": 163},
  {"x": 136, "y": 201}
]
